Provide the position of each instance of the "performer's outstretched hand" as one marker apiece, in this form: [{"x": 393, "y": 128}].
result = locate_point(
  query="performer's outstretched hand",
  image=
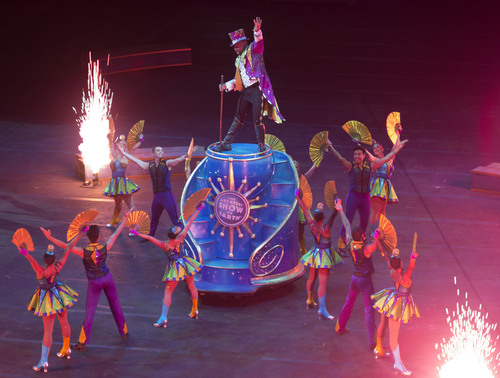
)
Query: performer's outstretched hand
[
  {"x": 257, "y": 22},
  {"x": 47, "y": 233},
  {"x": 23, "y": 251}
]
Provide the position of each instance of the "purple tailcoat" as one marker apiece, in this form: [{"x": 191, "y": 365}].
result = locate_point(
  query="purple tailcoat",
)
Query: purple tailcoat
[{"x": 254, "y": 65}]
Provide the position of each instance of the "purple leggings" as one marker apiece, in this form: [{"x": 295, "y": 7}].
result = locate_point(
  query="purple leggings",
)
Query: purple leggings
[
  {"x": 365, "y": 285},
  {"x": 94, "y": 290},
  {"x": 357, "y": 202},
  {"x": 163, "y": 201}
]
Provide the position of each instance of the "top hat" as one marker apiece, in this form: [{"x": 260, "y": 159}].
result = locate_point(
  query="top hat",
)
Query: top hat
[{"x": 237, "y": 36}]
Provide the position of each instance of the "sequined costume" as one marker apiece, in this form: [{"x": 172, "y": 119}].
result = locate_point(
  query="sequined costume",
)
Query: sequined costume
[
  {"x": 321, "y": 255},
  {"x": 51, "y": 297},
  {"x": 179, "y": 265},
  {"x": 257, "y": 96},
  {"x": 381, "y": 185},
  {"x": 396, "y": 303},
  {"x": 119, "y": 185}
]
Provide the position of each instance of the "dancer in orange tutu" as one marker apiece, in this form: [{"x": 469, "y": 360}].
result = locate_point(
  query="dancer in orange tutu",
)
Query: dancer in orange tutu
[{"x": 52, "y": 298}]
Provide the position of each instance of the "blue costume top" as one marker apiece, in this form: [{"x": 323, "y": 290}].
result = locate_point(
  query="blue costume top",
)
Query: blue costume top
[
  {"x": 359, "y": 178},
  {"x": 160, "y": 176},
  {"x": 363, "y": 266},
  {"x": 94, "y": 260}
]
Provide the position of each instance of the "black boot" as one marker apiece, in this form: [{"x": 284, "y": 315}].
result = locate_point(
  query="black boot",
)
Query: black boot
[
  {"x": 260, "y": 131},
  {"x": 228, "y": 139}
]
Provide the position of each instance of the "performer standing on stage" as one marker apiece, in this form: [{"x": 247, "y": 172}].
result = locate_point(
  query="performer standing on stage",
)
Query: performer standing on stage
[
  {"x": 358, "y": 198},
  {"x": 99, "y": 278},
  {"x": 381, "y": 189},
  {"x": 396, "y": 306},
  {"x": 321, "y": 257},
  {"x": 252, "y": 80},
  {"x": 180, "y": 267},
  {"x": 52, "y": 298},
  {"x": 163, "y": 197},
  {"x": 119, "y": 187},
  {"x": 361, "y": 281}
]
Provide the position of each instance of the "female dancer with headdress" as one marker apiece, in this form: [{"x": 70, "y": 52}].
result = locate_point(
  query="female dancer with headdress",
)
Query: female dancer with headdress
[
  {"x": 180, "y": 267},
  {"x": 119, "y": 187},
  {"x": 50, "y": 299},
  {"x": 396, "y": 306},
  {"x": 322, "y": 256},
  {"x": 381, "y": 189}
]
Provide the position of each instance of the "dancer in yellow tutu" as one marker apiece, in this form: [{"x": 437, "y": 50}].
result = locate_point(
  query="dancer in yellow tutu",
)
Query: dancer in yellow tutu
[
  {"x": 322, "y": 256},
  {"x": 381, "y": 189},
  {"x": 180, "y": 267},
  {"x": 52, "y": 298},
  {"x": 119, "y": 187},
  {"x": 396, "y": 306}
]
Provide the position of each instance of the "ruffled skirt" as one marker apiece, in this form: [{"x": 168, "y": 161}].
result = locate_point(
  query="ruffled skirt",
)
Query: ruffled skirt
[
  {"x": 395, "y": 306},
  {"x": 381, "y": 187},
  {"x": 181, "y": 269},
  {"x": 53, "y": 301},
  {"x": 120, "y": 186},
  {"x": 321, "y": 258}
]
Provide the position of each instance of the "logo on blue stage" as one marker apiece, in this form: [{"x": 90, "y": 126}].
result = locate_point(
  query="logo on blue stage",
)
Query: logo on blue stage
[{"x": 231, "y": 208}]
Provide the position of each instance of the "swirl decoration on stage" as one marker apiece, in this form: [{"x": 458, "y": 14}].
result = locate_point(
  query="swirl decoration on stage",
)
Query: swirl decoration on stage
[{"x": 265, "y": 262}]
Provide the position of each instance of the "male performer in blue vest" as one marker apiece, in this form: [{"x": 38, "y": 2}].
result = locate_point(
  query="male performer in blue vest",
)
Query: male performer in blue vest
[
  {"x": 163, "y": 198},
  {"x": 358, "y": 198},
  {"x": 252, "y": 80}
]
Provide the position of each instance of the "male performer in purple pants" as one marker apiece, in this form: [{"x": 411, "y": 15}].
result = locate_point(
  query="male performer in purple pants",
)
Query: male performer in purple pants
[
  {"x": 361, "y": 281},
  {"x": 99, "y": 277},
  {"x": 358, "y": 198},
  {"x": 252, "y": 80},
  {"x": 163, "y": 198}
]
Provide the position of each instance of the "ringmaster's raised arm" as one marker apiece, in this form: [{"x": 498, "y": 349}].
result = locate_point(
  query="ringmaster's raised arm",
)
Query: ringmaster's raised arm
[{"x": 252, "y": 80}]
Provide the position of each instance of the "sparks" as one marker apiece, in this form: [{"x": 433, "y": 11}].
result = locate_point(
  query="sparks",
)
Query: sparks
[
  {"x": 470, "y": 350},
  {"x": 94, "y": 120}
]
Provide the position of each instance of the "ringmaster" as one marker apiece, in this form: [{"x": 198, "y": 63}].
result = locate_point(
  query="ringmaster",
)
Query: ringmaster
[{"x": 252, "y": 81}]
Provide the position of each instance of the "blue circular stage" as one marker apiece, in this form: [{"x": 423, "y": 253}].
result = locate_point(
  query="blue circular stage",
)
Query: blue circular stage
[{"x": 246, "y": 237}]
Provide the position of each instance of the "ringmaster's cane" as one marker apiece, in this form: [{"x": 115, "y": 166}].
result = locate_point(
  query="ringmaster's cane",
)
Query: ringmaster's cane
[{"x": 221, "y": 102}]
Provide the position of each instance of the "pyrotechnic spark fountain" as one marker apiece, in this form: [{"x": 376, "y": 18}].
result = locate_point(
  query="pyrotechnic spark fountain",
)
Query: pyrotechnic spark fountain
[
  {"x": 469, "y": 351},
  {"x": 94, "y": 120}
]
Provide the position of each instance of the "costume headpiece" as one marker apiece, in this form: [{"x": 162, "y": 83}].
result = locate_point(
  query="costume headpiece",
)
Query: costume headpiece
[
  {"x": 319, "y": 208},
  {"x": 237, "y": 36},
  {"x": 395, "y": 254},
  {"x": 50, "y": 249}
]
